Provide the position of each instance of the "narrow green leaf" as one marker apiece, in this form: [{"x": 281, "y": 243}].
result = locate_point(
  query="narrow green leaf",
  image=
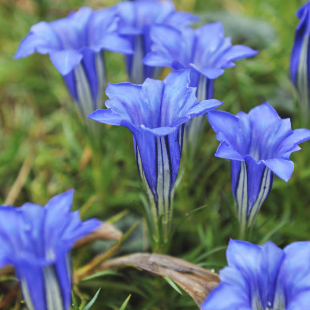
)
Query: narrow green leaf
[
  {"x": 173, "y": 284},
  {"x": 215, "y": 250},
  {"x": 75, "y": 305},
  {"x": 124, "y": 305},
  {"x": 88, "y": 306},
  {"x": 101, "y": 274}
]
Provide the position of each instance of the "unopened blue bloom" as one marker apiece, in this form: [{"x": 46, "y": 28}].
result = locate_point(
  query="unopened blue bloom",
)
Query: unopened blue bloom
[
  {"x": 300, "y": 65},
  {"x": 155, "y": 113},
  {"x": 259, "y": 145},
  {"x": 37, "y": 242},
  {"x": 263, "y": 278},
  {"x": 75, "y": 44},
  {"x": 136, "y": 18},
  {"x": 205, "y": 50}
]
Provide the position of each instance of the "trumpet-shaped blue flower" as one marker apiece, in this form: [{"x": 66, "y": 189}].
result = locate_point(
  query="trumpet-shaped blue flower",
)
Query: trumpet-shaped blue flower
[
  {"x": 263, "y": 278},
  {"x": 37, "y": 242},
  {"x": 75, "y": 44},
  {"x": 259, "y": 145},
  {"x": 205, "y": 50},
  {"x": 155, "y": 113},
  {"x": 136, "y": 18},
  {"x": 300, "y": 66}
]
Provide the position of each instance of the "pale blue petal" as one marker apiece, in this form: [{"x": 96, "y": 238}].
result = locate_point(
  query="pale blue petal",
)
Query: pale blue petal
[
  {"x": 289, "y": 143},
  {"x": 234, "y": 53},
  {"x": 226, "y": 151},
  {"x": 281, "y": 167},
  {"x": 245, "y": 257},
  {"x": 210, "y": 73},
  {"x": 175, "y": 96},
  {"x": 72, "y": 30},
  {"x": 158, "y": 58},
  {"x": 115, "y": 43},
  {"x": 159, "y": 132},
  {"x": 66, "y": 60},
  {"x": 226, "y": 296},
  {"x": 181, "y": 19},
  {"x": 41, "y": 39},
  {"x": 272, "y": 258},
  {"x": 60, "y": 203},
  {"x": 106, "y": 116},
  {"x": 225, "y": 123}
]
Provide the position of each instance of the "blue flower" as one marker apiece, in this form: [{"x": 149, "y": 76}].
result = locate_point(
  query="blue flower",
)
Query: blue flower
[
  {"x": 300, "y": 60},
  {"x": 259, "y": 145},
  {"x": 37, "y": 242},
  {"x": 205, "y": 50},
  {"x": 136, "y": 18},
  {"x": 263, "y": 278},
  {"x": 75, "y": 44},
  {"x": 155, "y": 113}
]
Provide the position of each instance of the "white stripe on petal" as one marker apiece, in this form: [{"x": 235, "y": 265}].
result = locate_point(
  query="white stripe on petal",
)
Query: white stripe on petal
[
  {"x": 266, "y": 184},
  {"x": 83, "y": 91},
  {"x": 164, "y": 182},
  {"x": 101, "y": 79},
  {"x": 26, "y": 294},
  {"x": 137, "y": 69},
  {"x": 54, "y": 300},
  {"x": 161, "y": 199},
  {"x": 242, "y": 195}
]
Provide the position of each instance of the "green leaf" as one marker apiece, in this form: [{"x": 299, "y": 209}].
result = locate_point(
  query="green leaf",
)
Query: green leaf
[
  {"x": 172, "y": 283},
  {"x": 124, "y": 305},
  {"x": 88, "y": 306},
  {"x": 102, "y": 273},
  {"x": 75, "y": 305}
]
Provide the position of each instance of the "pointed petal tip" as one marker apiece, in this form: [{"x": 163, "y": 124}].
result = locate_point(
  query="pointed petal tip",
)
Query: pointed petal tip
[{"x": 283, "y": 168}]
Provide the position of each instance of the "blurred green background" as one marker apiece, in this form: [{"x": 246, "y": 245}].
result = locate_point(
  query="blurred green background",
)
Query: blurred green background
[{"x": 44, "y": 150}]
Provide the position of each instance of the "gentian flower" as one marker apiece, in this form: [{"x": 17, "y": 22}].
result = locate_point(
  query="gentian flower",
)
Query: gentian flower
[
  {"x": 75, "y": 45},
  {"x": 37, "y": 242},
  {"x": 259, "y": 145},
  {"x": 155, "y": 113},
  {"x": 205, "y": 50},
  {"x": 136, "y": 18},
  {"x": 300, "y": 60},
  {"x": 263, "y": 278}
]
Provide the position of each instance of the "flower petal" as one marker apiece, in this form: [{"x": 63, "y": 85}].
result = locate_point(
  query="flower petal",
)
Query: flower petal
[
  {"x": 225, "y": 123},
  {"x": 281, "y": 167},
  {"x": 106, "y": 116},
  {"x": 237, "y": 52},
  {"x": 226, "y": 151},
  {"x": 41, "y": 39},
  {"x": 115, "y": 43},
  {"x": 65, "y": 61},
  {"x": 210, "y": 73}
]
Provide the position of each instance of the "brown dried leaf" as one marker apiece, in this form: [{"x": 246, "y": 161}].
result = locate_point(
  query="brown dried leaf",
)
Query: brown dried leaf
[{"x": 193, "y": 279}]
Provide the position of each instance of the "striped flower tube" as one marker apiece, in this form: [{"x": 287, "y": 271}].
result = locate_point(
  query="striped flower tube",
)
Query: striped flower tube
[
  {"x": 155, "y": 113},
  {"x": 37, "y": 242},
  {"x": 259, "y": 145},
  {"x": 300, "y": 61},
  {"x": 75, "y": 45}
]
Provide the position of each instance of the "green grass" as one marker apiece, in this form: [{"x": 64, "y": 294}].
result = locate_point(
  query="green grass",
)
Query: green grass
[{"x": 39, "y": 130}]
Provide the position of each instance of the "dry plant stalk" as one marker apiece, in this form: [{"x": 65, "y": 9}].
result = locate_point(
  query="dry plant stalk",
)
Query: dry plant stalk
[{"x": 193, "y": 279}]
